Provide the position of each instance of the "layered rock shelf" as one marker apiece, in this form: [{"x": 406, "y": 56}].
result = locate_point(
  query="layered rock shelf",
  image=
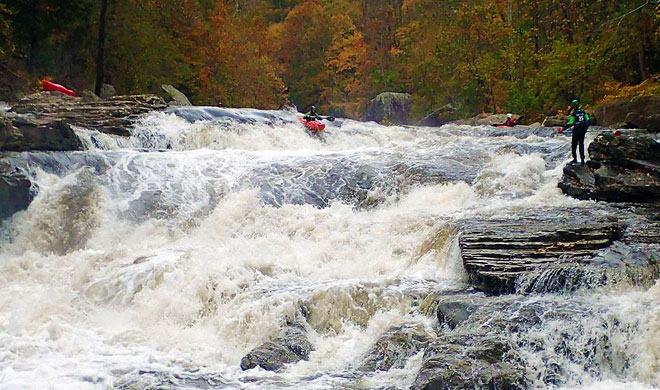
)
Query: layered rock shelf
[
  {"x": 497, "y": 252},
  {"x": 43, "y": 121}
]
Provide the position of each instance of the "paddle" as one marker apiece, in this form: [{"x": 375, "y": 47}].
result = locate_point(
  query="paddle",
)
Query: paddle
[{"x": 329, "y": 118}]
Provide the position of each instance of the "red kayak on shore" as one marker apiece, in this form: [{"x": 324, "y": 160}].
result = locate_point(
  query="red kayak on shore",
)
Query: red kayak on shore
[
  {"x": 50, "y": 86},
  {"x": 312, "y": 125}
]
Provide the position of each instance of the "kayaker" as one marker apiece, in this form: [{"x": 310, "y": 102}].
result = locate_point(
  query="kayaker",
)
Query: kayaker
[
  {"x": 579, "y": 121},
  {"x": 312, "y": 115},
  {"x": 510, "y": 122}
]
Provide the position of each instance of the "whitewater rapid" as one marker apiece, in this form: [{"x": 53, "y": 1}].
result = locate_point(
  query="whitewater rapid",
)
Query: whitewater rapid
[{"x": 161, "y": 260}]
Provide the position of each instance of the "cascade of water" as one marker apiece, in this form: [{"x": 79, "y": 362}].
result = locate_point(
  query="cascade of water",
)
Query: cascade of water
[{"x": 162, "y": 260}]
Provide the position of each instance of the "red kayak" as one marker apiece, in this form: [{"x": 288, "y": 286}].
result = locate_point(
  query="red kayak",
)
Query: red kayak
[
  {"x": 312, "y": 125},
  {"x": 50, "y": 86}
]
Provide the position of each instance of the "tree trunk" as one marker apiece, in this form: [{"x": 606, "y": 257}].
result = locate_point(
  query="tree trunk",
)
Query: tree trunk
[{"x": 101, "y": 48}]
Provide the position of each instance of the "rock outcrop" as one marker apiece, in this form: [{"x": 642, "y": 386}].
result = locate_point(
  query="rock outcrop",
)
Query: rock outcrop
[
  {"x": 641, "y": 112},
  {"x": 622, "y": 169},
  {"x": 43, "y": 121},
  {"x": 498, "y": 252},
  {"x": 390, "y": 108},
  {"x": 291, "y": 346}
]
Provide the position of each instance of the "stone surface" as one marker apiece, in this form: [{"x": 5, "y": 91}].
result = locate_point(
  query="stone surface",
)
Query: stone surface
[
  {"x": 622, "y": 169},
  {"x": 43, "y": 121},
  {"x": 395, "y": 347},
  {"x": 178, "y": 97},
  {"x": 390, "y": 108},
  {"x": 291, "y": 346},
  {"x": 32, "y": 135},
  {"x": 467, "y": 361},
  {"x": 640, "y": 112},
  {"x": 15, "y": 190},
  {"x": 497, "y": 252},
  {"x": 107, "y": 91}
]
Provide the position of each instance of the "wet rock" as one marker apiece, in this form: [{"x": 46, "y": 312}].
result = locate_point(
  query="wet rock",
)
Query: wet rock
[
  {"x": 177, "y": 97},
  {"x": 52, "y": 136},
  {"x": 113, "y": 116},
  {"x": 454, "y": 311},
  {"x": 395, "y": 347},
  {"x": 620, "y": 264},
  {"x": 390, "y": 108},
  {"x": 15, "y": 190},
  {"x": 497, "y": 252},
  {"x": 463, "y": 361},
  {"x": 290, "y": 347},
  {"x": 623, "y": 169}
]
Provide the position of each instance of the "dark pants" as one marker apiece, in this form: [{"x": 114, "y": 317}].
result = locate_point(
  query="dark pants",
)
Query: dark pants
[{"x": 578, "y": 139}]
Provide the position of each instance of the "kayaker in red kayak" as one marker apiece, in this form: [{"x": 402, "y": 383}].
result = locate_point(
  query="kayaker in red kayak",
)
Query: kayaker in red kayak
[
  {"x": 510, "y": 122},
  {"x": 312, "y": 115}
]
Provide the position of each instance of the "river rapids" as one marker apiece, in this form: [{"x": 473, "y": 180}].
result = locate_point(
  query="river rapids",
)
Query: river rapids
[{"x": 160, "y": 260}]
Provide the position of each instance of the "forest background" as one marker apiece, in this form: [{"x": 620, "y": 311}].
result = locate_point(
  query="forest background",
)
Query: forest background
[{"x": 524, "y": 56}]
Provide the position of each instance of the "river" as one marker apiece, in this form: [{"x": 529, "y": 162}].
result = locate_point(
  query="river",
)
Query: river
[{"x": 161, "y": 260}]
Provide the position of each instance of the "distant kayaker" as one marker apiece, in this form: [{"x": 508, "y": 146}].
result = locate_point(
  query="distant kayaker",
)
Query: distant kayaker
[
  {"x": 579, "y": 121},
  {"x": 510, "y": 122},
  {"x": 312, "y": 115}
]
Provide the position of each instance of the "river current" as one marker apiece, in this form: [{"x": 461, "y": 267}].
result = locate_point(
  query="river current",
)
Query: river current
[{"x": 161, "y": 260}]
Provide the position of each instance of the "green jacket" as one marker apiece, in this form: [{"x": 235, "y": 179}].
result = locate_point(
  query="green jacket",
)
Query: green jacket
[
  {"x": 580, "y": 116},
  {"x": 311, "y": 117}
]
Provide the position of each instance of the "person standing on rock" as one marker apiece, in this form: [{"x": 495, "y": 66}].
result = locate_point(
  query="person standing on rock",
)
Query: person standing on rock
[{"x": 579, "y": 121}]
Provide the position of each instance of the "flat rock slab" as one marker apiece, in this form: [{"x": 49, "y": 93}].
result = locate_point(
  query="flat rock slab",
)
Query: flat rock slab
[
  {"x": 112, "y": 116},
  {"x": 496, "y": 252}
]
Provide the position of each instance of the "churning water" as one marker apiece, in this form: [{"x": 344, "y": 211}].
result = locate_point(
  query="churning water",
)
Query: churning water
[{"x": 159, "y": 261}]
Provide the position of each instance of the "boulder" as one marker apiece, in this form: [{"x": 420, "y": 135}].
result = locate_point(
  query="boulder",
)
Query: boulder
[
  {"x": 470, "y": 361},
  {"x": 15, "y": 190},
  {"x": 645, "y": 109},
  {"x": 395, "y": 347},
  {"x": 107, "y": 91},
  {"x": 390, "y": 108},
  {"x": 53, "y": 136},
  {"x": 622, "y": 169},
  {"x": 177, "y": 97},
  {"x": 291, "y": 346},
  {"x": 651, "y": 123}
]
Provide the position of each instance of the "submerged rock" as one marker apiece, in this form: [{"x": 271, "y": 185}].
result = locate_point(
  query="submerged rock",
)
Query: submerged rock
[
  {"x": 291, "y": 346},
  {"x": 622, "y": 169}
]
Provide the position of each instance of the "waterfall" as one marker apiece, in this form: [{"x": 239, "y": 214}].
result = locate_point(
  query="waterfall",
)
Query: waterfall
[{"x": 163, "y": 259}]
